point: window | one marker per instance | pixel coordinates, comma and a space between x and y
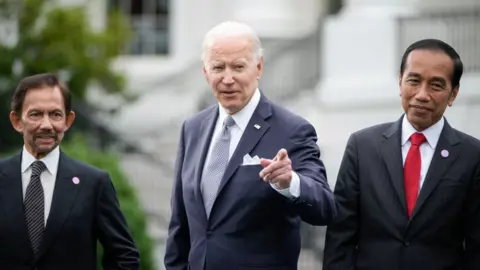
149, 20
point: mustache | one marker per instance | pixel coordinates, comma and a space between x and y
46, 136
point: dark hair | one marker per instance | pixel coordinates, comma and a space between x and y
437, 45
36, 82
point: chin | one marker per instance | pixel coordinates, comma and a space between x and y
231, 106
45, 149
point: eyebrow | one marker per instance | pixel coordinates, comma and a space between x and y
49, 111
439, 79
413, 74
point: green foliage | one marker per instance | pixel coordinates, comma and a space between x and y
53, 38
78, 148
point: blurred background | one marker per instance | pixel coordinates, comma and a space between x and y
134, 69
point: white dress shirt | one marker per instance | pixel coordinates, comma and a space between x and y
47, 178
432, 134
236, 131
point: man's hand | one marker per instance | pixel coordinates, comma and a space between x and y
278, 170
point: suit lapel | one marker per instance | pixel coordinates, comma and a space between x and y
11, 200
204, 138
439, 165
250, 138
64, 195
392, 155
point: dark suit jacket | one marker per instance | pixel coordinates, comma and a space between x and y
372, 230
79, 216
251, 225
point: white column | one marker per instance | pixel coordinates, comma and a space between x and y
378, 7
279, 18
360, 55
446, 5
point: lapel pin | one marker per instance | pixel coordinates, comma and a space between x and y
444, 153
257, 126
75, 180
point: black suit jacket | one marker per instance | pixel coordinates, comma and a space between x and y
373, 232
80, 215
251, 225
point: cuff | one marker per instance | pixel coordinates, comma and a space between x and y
293, 191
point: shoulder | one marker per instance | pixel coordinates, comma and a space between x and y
470, 141
372, 132
285, 121
287, 117
199, 116
8, 161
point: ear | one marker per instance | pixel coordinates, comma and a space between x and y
16, 121
260, 68
400, 75
453, 95
204, 70
69, 120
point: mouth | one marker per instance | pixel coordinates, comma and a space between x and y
228, 93
45, 138
420, 108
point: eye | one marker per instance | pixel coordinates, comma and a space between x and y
217, 68
239, 66
35, 114
413, 81
437, 86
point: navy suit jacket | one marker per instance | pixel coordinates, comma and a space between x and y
80, 215
373, 231
251, 225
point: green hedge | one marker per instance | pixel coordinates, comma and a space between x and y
78, 148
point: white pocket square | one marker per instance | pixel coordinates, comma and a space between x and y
248, 160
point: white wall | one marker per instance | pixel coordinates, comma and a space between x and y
360, 56
191, 19
360, 61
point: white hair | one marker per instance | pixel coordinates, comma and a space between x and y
232, 29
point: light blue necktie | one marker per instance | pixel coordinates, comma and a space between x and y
214, 170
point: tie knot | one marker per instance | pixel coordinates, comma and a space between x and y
229, 121
417, 138
38, 167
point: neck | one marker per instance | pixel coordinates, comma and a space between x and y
36, 155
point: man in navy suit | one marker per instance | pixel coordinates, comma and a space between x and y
247, 171
53, 208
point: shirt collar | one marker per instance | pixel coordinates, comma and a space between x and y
50, 160
432, 134
243, 116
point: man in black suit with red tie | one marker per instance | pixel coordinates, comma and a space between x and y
408, 192
54, 209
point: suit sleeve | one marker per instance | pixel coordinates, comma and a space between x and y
119, 250
315, 204
472, 230
178, 240
341, 237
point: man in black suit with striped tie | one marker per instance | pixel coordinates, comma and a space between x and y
54, 209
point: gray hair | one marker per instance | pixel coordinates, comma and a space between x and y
232, 29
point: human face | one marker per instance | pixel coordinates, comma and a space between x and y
426, 87
232, 71
43, 120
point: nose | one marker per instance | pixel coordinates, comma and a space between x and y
228, 77
46, 124
423, 94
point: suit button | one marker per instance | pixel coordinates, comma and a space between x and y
406, 243
209, 234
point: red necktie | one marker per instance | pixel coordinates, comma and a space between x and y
411, 171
